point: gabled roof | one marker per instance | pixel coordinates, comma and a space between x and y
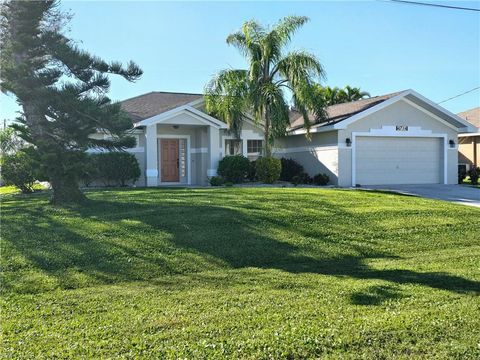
342, 115
156, 102
472, 116
340, 112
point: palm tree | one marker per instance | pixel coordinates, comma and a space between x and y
332, 96
261, 89
354, 93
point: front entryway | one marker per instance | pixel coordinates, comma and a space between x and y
169, 160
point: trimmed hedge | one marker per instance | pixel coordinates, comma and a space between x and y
268, 169
233, 168
111, 168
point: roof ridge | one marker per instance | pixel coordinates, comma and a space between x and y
176, 92
159, 92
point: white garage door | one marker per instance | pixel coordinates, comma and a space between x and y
392, 160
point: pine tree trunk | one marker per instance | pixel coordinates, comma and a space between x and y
66, 191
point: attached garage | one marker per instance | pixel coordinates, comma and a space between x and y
398, 138
398, 160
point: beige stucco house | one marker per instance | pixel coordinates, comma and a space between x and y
469, 143
399, 138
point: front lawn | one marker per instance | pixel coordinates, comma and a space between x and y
240, 273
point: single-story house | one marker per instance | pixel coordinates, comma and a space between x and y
469, 143
399, 138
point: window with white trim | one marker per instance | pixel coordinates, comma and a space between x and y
233, 147
254, 147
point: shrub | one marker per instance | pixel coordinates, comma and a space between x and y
290, 168
115, 168
305, 178
321, 179
252, 171
19, 169
474, 173
216, 181
233, 168
268, 169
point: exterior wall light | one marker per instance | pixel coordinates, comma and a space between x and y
175, 127
348, 141
452, 143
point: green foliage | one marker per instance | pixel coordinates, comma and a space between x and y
62, 91
233, 168
321, 179
252, 171
112, 168
268, 169
474, 174
290, 168
239, 273
216, 181
9, 141
335, 95
261, 90
19, 169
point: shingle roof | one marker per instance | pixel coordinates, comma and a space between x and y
472, 116
156, 102
339, 112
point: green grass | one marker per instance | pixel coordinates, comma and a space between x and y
240, 273
468, 182
10, 189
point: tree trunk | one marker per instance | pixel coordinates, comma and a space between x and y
66, 191
268, 149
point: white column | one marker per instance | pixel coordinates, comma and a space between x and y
152, 155
213, 150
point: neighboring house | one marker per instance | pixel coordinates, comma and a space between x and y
391, 139
469, 143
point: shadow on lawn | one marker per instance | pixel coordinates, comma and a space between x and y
142, 240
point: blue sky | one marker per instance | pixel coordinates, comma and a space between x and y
379, 46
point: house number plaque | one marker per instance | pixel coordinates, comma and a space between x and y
402, 127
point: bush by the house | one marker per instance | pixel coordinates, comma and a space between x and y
321, 179
474, 174
252, 171
19, 169
233, 168
114, 168
90, 170
268, 169
216, 181
290, 168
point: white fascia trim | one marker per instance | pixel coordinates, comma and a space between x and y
418, 107
205, 118
390, 131
344, 123
468, 126
469, 134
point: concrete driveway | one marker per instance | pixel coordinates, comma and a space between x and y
454, 193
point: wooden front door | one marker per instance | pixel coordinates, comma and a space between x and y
170, 160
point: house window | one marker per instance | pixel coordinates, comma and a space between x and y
233, 147
254, 147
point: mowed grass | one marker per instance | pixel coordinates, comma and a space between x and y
240, 273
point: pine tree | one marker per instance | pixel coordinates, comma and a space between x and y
62, 91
